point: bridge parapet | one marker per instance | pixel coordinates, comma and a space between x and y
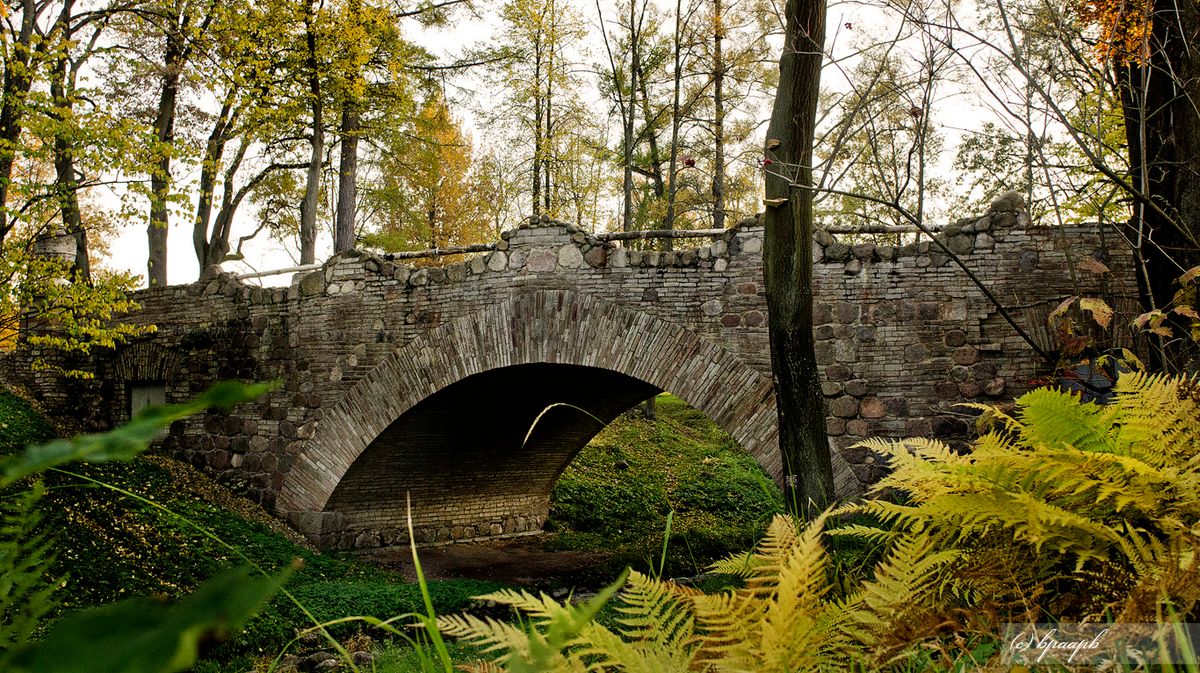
533, 249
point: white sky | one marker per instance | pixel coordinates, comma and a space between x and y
128, 250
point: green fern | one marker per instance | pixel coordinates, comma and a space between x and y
25, 558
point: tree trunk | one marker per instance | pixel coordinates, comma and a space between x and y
214, 149
548, 138
17, 80
803, 445
627, 174
1163, 132
537, 124
655, 168
160, 177
677, 75
66, 182
218, 241
718, 180
649, 411
347, 179
312, 186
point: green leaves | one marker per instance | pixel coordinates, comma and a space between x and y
142, 635
127, 441
25, 558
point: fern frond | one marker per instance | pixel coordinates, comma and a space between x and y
739, 565
606, 650
25, 558
1158, 417
490, 634
799, 632
650, 612
770, 555
1055, 419
904, 579
991, 418
727, 622
872, 534
541, 608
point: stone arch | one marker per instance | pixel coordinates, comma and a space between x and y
546, 326
146, 361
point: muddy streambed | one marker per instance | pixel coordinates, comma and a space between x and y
521, 561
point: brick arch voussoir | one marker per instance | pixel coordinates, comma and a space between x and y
548, 326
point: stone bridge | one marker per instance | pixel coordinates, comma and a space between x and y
426, 381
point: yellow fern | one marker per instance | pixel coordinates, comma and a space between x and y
1064, 509
1114, 486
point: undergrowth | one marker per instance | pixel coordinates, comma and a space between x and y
20, 424
113, 546
110, 546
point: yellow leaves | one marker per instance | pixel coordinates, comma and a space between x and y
1153, 322
433, 198
1123, 26
1101, 312
70, 316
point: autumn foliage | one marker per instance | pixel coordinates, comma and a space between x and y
1123, 25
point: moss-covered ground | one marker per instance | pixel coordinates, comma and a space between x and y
617, 493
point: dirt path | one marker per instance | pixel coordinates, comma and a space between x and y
522, 561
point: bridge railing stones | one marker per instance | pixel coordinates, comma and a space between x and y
535, 247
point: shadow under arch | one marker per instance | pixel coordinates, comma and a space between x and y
445, 416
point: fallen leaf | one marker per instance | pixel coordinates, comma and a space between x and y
1093, 265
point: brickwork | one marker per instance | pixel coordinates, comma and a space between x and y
424, 381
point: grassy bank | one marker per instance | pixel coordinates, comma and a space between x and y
158, 527
616, 495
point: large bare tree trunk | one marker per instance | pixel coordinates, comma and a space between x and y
312, 186
347, 179
718, 180
1162, 125
160, 177
803, 444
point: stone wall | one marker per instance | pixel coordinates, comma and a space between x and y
363, 347
904, 337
